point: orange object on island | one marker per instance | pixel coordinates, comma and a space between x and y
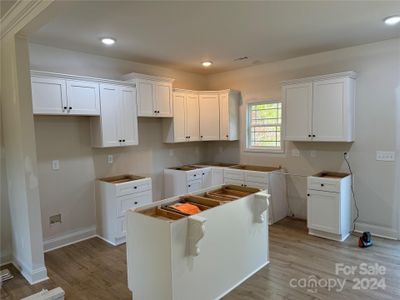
186, 208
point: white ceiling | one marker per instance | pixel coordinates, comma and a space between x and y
182, 34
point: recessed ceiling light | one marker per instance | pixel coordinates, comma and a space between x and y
392, 20
108, 41
206, 63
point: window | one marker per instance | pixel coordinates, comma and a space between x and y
264, 126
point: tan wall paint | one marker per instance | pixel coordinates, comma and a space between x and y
378, 67
5, 225
70, 191
19, 142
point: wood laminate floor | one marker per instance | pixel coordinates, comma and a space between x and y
92, 269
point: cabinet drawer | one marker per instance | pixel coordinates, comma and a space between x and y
120, 227
260, 177
132, 187
194, 185
132, 201
233, 174
325, 185
193, 175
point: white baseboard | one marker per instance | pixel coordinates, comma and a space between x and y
33, 276
380, 231
69, 238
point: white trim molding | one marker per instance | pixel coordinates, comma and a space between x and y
77, 77
379, 231
32, 275
69, 238
350, 74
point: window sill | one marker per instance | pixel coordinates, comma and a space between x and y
261, 150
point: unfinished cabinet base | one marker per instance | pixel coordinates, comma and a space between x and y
202, 256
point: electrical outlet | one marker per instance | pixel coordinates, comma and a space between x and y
55, 219
55, 165
313, 153
171, 152
347, 155
110, 159
385, 155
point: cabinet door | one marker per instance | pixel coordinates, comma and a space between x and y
179, 118
49, 96
109, 99
128, 116
224, 116
145, 98
192, 122
83, 98
323, 211
194, 185
329, 110
209, 117
163, 102
206, 177
298, 111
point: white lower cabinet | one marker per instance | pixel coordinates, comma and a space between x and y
114, 196
198, 257
274, 182
183, 180
117, 125
329, 205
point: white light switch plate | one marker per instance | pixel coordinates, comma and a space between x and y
385, 155
55, 165
110, 159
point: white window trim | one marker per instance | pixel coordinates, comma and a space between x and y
264, 149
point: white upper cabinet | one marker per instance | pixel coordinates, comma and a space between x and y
49, 95
184, 126
229, 115
209, 116
128, 115
203, 116
320, 108
83, 98
192, 119
58, 94
333, 109
163, 99
117, 124
145, 90
154, 95
298, 102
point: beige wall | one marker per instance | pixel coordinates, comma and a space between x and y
70, 190
5, 226
377, 110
